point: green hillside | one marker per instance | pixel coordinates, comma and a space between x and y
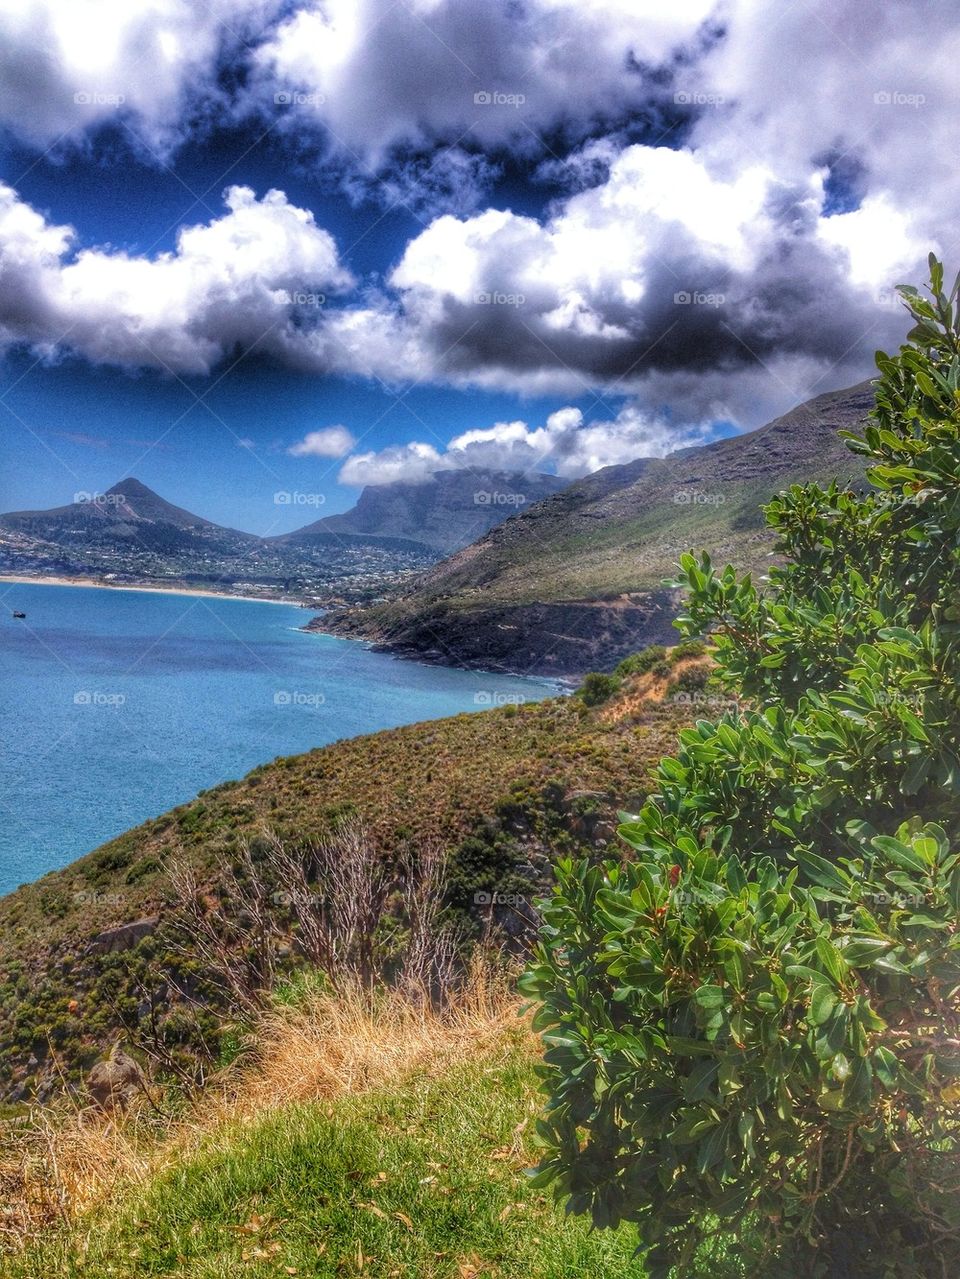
87, 951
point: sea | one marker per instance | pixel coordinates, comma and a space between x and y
116, 705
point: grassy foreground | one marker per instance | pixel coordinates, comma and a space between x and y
422, 1180
387, 1144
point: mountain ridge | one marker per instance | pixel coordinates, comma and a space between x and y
575, 582
131, 533
444, 513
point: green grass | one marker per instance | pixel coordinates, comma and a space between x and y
310, 1188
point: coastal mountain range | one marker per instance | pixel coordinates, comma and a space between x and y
575, 583
474, 567
128, 513
131, 534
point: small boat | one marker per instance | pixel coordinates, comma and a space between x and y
18, 614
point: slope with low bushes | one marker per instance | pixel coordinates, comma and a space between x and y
87, 952
575, 582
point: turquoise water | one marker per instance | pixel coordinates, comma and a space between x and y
116, 705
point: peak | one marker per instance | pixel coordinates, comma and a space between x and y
131, 485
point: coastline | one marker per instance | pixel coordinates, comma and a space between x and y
562, 685
91, 582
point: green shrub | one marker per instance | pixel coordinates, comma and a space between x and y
640, 663
688, 649
692, 680
753, 1028
598, 688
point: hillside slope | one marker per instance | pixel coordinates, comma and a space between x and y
573, 584
87, 950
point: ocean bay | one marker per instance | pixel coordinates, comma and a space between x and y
117, 705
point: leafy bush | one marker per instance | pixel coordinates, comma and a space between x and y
598, 688
687, 650
640, 663
754, 1027
694, 679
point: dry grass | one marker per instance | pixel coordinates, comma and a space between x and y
332, 1045
647, 690
59, 1162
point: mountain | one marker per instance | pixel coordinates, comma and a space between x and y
574, 583
131, 535
127, 514
445, 513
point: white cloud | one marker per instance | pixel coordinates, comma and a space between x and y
668, 272
379, 74
818, 169
67, 66
230, 286
414, 463
565, 445
330, 441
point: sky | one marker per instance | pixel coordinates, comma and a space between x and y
262, 247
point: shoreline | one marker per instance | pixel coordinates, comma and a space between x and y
21, 579
562, 685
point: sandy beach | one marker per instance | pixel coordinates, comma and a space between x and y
151, 590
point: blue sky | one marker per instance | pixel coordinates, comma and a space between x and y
271, 245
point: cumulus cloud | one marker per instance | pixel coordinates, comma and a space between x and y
377, 74
330, 441
565, 445
414, 463
734, 274
749, 268
230, 286
67, 66
666, 273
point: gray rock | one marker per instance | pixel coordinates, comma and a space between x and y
112, 1084
124, 936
